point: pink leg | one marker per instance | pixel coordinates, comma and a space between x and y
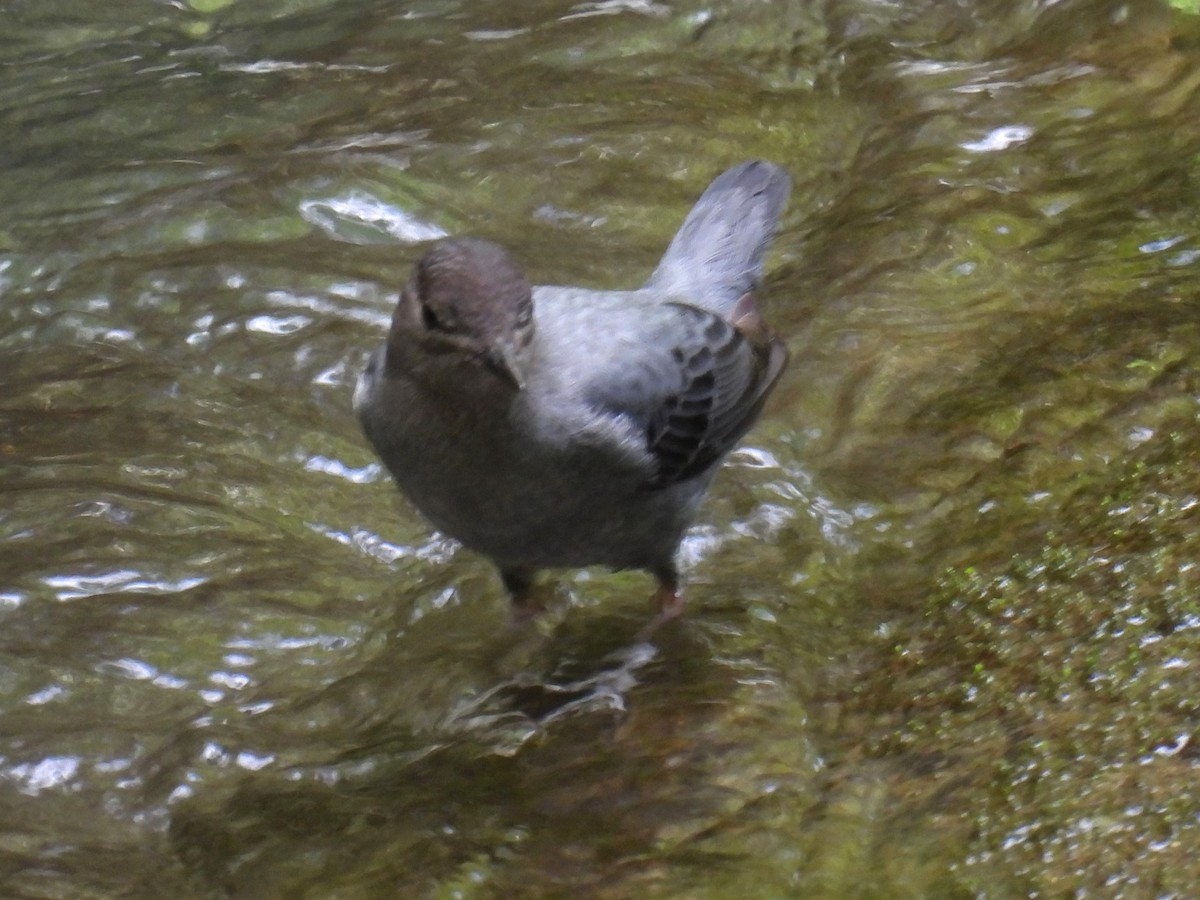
670, 600
671, 603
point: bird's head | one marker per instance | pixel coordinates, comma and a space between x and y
466, 301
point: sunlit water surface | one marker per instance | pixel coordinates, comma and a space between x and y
944, 635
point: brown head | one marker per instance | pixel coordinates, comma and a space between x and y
467, 298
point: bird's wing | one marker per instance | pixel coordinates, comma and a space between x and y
698, 390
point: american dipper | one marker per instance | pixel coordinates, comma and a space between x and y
568, 427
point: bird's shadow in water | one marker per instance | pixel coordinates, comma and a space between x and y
568, 661
561, 758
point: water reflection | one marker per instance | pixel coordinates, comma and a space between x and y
334, 214
943, 635
525, 780
52, 772
74, 587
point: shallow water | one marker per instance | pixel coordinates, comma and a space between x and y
943, 639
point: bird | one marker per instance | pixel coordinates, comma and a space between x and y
556, 427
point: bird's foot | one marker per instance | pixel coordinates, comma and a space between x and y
526, 607
670, 602
526, 603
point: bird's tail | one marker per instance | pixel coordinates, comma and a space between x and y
716, 257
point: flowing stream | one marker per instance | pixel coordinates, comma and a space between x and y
944, 633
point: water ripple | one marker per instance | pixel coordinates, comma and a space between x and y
73, 587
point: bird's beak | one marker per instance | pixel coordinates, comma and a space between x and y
501, 358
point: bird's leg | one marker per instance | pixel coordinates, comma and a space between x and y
669, 597
519, 584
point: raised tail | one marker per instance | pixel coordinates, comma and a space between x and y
716, 257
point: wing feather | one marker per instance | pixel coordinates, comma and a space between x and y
724, 378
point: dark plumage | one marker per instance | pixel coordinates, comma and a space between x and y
560, 426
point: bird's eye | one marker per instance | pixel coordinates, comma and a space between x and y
430, 320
